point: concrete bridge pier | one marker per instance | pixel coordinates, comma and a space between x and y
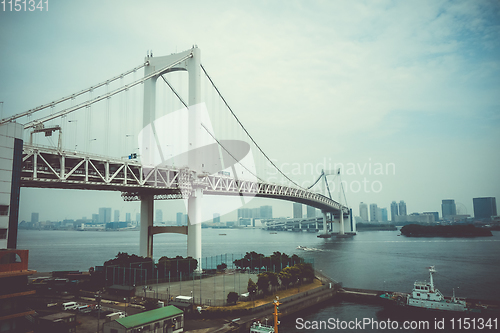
145, 234
325, 229
341, 222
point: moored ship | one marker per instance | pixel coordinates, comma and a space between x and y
426, 297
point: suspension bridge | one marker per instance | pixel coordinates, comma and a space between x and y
153, 138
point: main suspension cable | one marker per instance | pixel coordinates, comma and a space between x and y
72, 96
244, 129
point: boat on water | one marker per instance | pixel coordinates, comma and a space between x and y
257, 327
426, 296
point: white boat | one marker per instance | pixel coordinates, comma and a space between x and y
425, 295
257, 327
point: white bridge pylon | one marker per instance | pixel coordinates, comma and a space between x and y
191, 64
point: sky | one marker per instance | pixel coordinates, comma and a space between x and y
403, 95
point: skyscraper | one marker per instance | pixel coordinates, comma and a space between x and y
34, 217
394, 211
363, 211
104, 215
402, 208
383, 214
159, 216
311, 212
128, 218
484, 208
448, 208
117, 216
179, 218
266, 212
297, 210
373, 212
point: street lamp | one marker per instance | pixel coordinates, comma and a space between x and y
98, 299
125, 300
76, 130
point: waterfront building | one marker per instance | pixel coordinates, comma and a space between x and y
244, 213
484, 208
95, 218
363, 212
311, 212
383, 213
216, 218
373, 213
297, 210
266, 212
34, 218
165, 319
394, 211
159, 216
104, 215
128, 218
256, 213
14, 290
435, 214
117, 216
178, 218
402, 208
448, 208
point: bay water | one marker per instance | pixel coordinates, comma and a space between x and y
379, 260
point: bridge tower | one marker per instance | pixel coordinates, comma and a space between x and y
190, 63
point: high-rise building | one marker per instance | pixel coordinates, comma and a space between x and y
95, 218
137, 218
484, 208
448, 208
311, 211
179, 218
34, 217
216, 218
402, 208
11, 146
363, 212
383, 213
256, 213
128, 217
266, 212
117, 216
104, 215
297, 210
434, 214
244, 213
159, 216
373, 213
394, 211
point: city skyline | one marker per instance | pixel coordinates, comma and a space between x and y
412, 85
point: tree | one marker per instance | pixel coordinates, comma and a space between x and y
285, 276
263, 283
232, 297
306, 272
251, 288
221, 267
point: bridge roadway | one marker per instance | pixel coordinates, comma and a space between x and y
47, 167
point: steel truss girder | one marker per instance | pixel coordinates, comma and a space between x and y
52, 168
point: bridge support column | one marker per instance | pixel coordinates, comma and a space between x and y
341, 220
146, 233
325, 229
353, 221
194, 226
